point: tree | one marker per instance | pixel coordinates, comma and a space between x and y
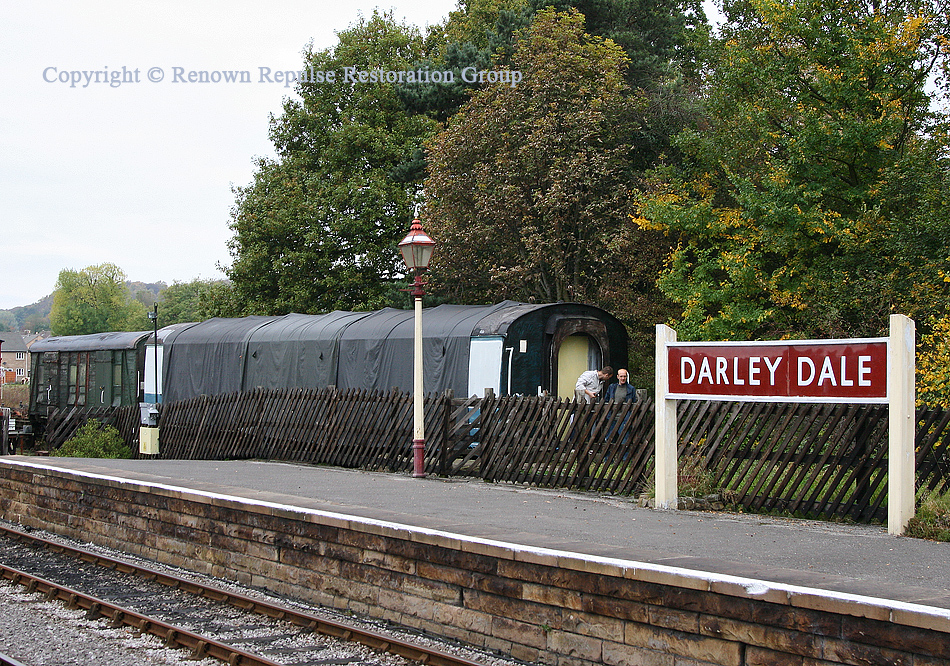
192, 301
94, 300
659, 38
317, 229
531, 185
216, 298
527, 182
933, 365
805, 201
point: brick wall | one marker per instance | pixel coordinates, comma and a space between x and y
533, 604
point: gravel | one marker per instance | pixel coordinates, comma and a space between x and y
47, 633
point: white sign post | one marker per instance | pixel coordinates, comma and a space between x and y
666, 435
863, 371
902, 424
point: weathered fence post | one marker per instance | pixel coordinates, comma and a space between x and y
446, 430
485, 407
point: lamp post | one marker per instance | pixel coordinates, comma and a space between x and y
148, 432
153, 315
416, 251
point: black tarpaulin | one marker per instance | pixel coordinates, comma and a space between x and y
207, 358
296, 351
376, 352
362, 350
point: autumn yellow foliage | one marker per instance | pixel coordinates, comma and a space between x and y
933, 366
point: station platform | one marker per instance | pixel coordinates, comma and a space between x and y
851, 559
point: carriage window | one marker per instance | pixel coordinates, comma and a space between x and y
117, 379
72, 377
81, 382
39, 383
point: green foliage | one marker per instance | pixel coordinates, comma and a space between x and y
932, 520
482, 23
479, 34
694, 478
534, 172
95, 440
807, 205
195, 301
659, 38
146, 293
178, 303
95, 300
317, 229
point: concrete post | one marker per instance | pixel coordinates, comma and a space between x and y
666, 436
901, 458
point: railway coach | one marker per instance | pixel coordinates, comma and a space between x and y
509, 347
92, 371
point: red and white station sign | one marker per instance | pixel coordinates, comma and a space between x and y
852, 371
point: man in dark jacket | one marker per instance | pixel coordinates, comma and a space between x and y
622, 391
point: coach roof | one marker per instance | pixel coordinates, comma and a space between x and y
91, 342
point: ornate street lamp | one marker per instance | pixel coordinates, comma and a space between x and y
416, 251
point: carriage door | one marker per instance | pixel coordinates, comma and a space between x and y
484, 365
577, 353
100, 391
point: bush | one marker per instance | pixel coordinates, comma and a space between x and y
95, 440
933, 518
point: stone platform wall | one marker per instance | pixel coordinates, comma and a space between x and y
533, 604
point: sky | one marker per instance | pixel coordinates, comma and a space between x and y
140, 174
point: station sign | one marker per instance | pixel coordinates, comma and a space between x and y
849, 371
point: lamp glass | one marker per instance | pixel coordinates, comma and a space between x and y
416, 248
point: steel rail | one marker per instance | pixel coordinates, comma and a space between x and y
9, 661
173, 636
308, 621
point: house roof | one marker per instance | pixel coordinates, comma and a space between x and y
12, 342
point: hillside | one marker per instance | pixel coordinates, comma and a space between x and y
35, 317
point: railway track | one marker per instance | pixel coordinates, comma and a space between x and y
206, 620
9, 661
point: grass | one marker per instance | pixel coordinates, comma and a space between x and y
932, 520
694, 478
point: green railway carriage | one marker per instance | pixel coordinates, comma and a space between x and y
92, 371
87, 371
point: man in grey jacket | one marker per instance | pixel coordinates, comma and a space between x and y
589, 383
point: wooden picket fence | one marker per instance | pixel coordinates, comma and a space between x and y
63, 424
821, 461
